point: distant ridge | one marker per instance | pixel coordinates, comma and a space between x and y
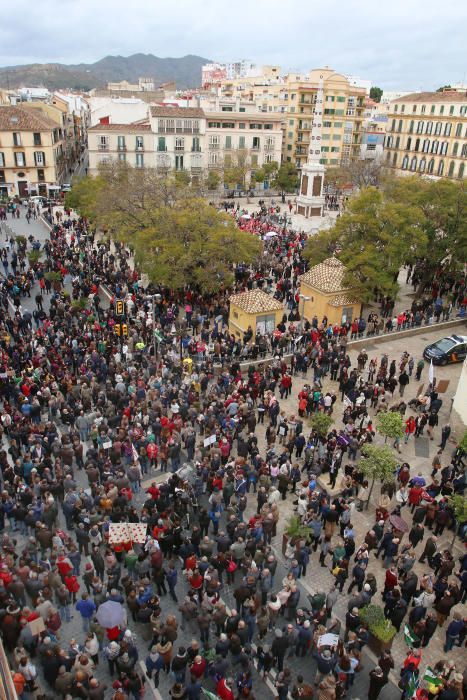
185, 71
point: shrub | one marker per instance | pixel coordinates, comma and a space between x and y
373, 617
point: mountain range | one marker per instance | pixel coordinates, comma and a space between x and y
185, 71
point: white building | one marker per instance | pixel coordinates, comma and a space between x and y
117, 110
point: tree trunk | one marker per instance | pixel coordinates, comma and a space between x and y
426, 277
369, 495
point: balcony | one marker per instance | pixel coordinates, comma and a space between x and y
162, 149
196, 168
121, 148
214, 146
269, 147
103, 147
196, 149
139, 148
179, 149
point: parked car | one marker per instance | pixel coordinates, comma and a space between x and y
66, 187
446, 350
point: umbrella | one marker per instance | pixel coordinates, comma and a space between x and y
398, 523
270, 234
245, 216
110, 614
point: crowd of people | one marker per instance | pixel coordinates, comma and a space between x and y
87, 416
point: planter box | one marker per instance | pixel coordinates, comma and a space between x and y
377, 646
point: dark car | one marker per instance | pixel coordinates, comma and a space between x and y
451, 349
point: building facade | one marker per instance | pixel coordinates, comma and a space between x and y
427, 134
32, 154
191, 139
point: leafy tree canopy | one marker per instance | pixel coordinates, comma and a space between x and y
376, 94
286, 178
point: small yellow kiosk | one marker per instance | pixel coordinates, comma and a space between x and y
323, 293
254, 309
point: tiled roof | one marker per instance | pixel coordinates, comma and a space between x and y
128, 128
20, 119
343, 300
449, 96
327, 277
256, 302
178, 112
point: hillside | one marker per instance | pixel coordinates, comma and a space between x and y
186, 71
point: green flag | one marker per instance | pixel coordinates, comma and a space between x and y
431, 677
409, 636
209, 695
412, 686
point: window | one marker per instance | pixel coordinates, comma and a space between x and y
16, 139
459, 130
395, 108
422, 165
122, 157
329, 111
444, 148
37, 140
256, 142
139, 160
2, 160
393, 124
329, 98
455, 148
434, 147
20, 160
227, 160
336, 149
339, 112
241, 142
432, 110
121, 143
447, 129
213, 158
441, 109
394, 160
2, 177
39, 158
402, 109
214, 125
423, 109
178, 162
405, 163
228, 125
336, 137
420, 126
417, 145
429, 127
291, 122
256, 126
441, 167
254, 160
289, 148
195, 147
461, 170
341, 98
409, 143
431, 166
413, 164
426, 146
179, 144
161, 144
414, 109
452, 165
228, 142
227, 109
139, 143
438, 128
464, 151
214, 141
338, 125
411, 127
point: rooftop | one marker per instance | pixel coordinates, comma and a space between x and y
127, 128
175, 111
21, 119
326, 277
256, 302
447, 96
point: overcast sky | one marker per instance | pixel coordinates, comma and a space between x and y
406, 44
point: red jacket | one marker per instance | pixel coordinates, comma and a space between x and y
223, 690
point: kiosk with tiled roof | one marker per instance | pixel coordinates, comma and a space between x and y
325, 293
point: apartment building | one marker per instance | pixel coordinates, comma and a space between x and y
293, 96
191, 139
427, 134
31, 152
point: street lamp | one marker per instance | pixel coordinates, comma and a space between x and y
304, 298
155, 298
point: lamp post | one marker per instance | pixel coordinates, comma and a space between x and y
154, 298
304, 298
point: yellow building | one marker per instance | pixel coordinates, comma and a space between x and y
427, 134
31, 152
256, 310
293, 96
324, 293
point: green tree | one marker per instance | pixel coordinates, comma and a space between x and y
390, 424
286, 179
191, 243
377, 463
321, 423
84, 195
376, 94
463, 442
442, 207
458, 503
267, 173
373, 238
237, 169
182, 177
443, 88
213, 180
358, 174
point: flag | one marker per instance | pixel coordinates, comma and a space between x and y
412, 686
134, 453
431, 677
209, 695
431, 373
409, 636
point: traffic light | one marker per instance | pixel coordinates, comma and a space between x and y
124, 329
119, 307
117, 329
